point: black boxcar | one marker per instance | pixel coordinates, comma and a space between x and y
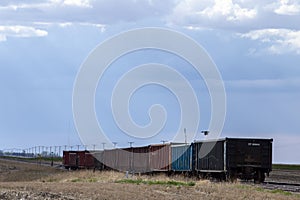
232, 158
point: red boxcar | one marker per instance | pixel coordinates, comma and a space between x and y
89, 160
70, 159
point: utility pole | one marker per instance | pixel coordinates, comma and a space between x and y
131, 157
185, 140
103, 143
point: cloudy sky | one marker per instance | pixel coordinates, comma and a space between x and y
255, 45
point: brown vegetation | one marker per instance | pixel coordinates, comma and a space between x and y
31, 181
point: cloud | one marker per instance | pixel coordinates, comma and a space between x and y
17, 5
232, 15
79, 3
88, 11
291, 84
229, 10
216, 14
20, 31
279, 41
288, 7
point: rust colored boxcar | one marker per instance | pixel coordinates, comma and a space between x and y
85, 160
70, 159
89, 160
81, 159
160, 157
66, 161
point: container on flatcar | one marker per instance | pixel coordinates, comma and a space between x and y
181, 157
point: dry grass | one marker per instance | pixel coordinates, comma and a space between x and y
38, 181
12, 171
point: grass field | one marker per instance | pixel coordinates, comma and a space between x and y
286, 167
48, 159
38, 181
19, 180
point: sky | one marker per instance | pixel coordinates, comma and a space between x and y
254, 44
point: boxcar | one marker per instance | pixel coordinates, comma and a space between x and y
160, 157
135, 159
98, 160
66, 159
181, 158
232, 158
80, 159
70, 160
139, 159
110, 159
85, 160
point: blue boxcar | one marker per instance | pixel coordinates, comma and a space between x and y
181, 157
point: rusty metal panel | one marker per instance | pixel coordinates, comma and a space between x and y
89, 160
73, 159
66, 159
81, 159
160, 157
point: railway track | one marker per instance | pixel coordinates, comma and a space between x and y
290, 187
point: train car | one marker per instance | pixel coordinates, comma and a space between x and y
160, 157
233, 158
85, 160
181, 158
134, 159
78, 160
139, 161
98, 160
111, 159
70, 159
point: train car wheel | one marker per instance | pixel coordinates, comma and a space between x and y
259, 177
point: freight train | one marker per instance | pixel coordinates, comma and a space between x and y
228, 159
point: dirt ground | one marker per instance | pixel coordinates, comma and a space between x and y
32, 181
286, 176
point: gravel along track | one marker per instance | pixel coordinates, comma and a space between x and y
290, 187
